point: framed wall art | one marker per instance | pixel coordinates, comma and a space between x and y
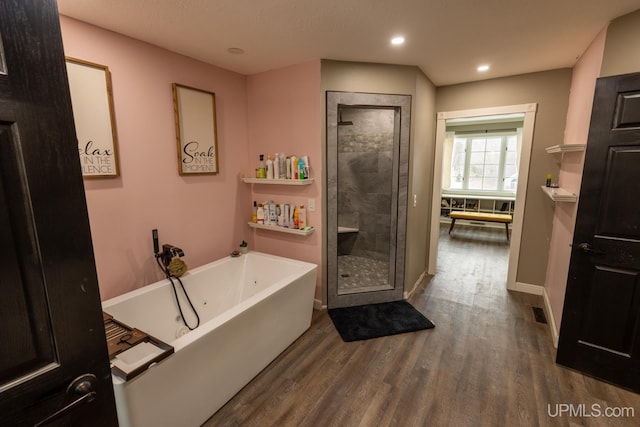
93, 112
195, 119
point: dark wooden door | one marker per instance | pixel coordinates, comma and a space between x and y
600, 330
51, 325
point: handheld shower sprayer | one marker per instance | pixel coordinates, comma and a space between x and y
156, 242
172, 272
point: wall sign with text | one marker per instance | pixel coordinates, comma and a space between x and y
195, 117
92, 101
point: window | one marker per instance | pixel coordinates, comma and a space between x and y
484, 163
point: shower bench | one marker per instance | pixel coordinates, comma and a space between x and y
481, 216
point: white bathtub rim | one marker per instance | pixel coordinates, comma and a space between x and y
162, 282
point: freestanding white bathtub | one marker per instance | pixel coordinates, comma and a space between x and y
251, 309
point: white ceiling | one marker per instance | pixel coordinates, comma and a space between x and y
447, 39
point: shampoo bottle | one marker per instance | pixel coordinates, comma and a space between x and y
286, 214
261, 171
294, 167
254, 215
273, 214
301, 174
276, 167
283, 171
296, 218
269, 167
288, 168
260, 214
302, 217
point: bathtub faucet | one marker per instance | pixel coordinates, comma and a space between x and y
168, 253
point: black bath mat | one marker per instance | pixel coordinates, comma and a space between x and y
377, 320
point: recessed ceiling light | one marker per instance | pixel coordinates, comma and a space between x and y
483, 68
235, 51
397, 40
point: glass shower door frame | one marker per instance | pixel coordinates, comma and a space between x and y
401, 104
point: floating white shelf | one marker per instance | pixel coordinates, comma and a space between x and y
307, 181
559, 194
342, 230
282, 229
565, 148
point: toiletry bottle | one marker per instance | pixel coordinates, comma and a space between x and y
260, 214
267, 217
283, 171
548, 180
296, 217
294, 167
302, 217
286, 213
291, 212
273, 214
288, 167
276, 167
301, 174
269, 167
254, 215
305, 159
261, 171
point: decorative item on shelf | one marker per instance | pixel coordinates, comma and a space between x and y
244, 247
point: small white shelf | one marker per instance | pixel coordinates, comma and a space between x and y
343, 230
565, 148
559, 194
282, 229
307, 181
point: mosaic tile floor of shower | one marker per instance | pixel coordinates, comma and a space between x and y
356, 272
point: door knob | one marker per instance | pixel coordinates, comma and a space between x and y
83, 387
588, 249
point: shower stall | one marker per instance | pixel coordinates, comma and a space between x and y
367, 171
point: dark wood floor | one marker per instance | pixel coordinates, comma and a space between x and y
487, 362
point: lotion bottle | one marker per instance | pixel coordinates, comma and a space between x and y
288, 167
283, 171
269, 167
296, 217
276, 167
302, 217
260, 214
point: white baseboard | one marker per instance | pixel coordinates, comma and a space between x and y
317, 305
550, 319
527, 288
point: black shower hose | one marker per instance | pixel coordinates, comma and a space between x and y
175, 292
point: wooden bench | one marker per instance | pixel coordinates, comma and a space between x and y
481, 216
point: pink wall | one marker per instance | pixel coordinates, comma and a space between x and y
583, 82
284, 116
204, 215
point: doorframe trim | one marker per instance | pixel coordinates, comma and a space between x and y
529, 111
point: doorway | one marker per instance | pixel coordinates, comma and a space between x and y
367, 176
528, 112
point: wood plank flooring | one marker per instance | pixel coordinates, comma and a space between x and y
487, 362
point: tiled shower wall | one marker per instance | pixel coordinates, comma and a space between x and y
365, 168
